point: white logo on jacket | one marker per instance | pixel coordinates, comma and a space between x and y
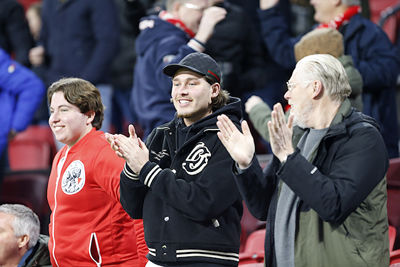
73, 179
197, 159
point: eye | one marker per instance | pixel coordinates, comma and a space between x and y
64, 109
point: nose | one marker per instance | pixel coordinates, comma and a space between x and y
287, 95
53, 117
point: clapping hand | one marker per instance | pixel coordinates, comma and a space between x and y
239, 145
131, 148
280, 133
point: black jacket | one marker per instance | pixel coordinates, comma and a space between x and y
342, 194
14, 31
186, 195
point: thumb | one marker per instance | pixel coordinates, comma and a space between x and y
131, 130
290, 121
245, 128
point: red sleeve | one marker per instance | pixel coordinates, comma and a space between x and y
108, 169
141, 246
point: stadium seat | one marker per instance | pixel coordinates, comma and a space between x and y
32, 149
29, 189
253, 249
395, 258
392, 237
249, 224
378, 9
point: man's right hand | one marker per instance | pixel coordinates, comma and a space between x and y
266, 4
36, 55
211, 16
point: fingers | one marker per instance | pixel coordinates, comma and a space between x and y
290, 121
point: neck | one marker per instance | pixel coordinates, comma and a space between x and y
337, 12
324, 113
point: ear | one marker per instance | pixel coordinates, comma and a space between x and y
90, 116
317, 89
215, 88
23, 241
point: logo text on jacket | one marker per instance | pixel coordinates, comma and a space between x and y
197, 160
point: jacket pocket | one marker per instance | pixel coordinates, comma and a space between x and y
94, 250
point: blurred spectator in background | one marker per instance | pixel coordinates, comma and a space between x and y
236, 46
88, 224
184, 27
79, 39
129, 13
21, 245
15, 38
34, 17
373, 55
20, 95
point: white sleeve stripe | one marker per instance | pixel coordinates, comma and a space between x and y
149, 175
153, 176
129, 174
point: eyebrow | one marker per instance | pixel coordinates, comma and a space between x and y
61, 106
187, 79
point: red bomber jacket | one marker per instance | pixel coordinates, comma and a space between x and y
88, 226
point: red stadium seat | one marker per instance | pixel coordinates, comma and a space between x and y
32, 149
249, 224
254, 249
377, 7
392, 237
395, 258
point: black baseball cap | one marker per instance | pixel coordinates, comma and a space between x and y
197, 62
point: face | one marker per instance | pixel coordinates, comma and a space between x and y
67, 122
191, 95
324, 10
299, 97
191, 12
9, 251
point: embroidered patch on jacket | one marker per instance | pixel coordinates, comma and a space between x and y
73, 179
159, 155
197, 159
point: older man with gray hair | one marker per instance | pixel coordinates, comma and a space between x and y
373, 55
324, 193
20, 241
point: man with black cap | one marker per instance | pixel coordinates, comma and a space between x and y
177, 182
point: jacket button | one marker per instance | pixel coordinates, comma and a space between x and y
164, 247
166, 218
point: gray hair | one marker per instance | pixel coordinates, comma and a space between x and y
330, 72
25, 222
351, 2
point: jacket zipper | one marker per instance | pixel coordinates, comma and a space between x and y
59, 168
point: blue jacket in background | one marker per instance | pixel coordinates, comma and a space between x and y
80, 37
21, 93
373, 55
160, 43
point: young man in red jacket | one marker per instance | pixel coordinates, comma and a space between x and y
88, 224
